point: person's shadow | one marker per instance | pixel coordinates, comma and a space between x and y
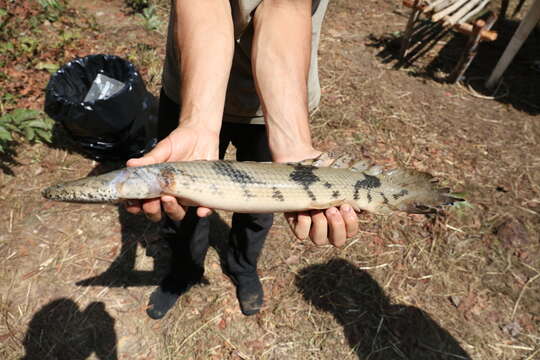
122, 273
60, 330
135, 228
373, 327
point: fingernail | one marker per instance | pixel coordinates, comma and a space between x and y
347, 208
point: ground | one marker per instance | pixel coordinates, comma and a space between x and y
75, 279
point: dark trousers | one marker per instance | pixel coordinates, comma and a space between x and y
189, 238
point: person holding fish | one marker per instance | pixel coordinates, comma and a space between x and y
241, 72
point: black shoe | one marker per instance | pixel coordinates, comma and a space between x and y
250, 294
167, 294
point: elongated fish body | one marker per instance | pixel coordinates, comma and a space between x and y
249, 187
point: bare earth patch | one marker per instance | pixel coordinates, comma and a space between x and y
75, 279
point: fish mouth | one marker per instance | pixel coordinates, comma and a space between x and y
52, 192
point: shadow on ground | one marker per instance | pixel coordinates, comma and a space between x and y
519, 84
60, 330
373, 327
135, 228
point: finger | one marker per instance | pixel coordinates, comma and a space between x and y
319, 228
133, 206
300, 223
203, 211
350, 218
173, 209
160, 153
152, 209
336, 227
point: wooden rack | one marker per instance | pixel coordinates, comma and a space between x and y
452, 14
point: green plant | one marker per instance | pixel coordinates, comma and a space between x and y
32, 124
53, 9
66, 37
3, 17
150, 18
28, 44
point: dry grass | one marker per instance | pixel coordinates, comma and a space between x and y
461, 285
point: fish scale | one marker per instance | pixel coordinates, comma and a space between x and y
250, 187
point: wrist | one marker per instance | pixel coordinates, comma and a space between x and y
200, 127
295, 154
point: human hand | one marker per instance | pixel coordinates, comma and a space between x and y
183, 144
333, 225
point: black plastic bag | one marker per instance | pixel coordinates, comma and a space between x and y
117, 127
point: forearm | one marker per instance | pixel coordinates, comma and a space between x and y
280, 60
205, 39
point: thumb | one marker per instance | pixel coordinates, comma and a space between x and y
160, 153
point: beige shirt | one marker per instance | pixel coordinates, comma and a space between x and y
242, 104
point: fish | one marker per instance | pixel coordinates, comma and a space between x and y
253, 187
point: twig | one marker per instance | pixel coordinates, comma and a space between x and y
496, 94
10, 221
531, 357
199, 329
521, 294
373, 267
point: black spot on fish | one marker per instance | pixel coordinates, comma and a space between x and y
369, 182
335, 194
385, 199
327, 185
173, 170
369, 198
276, 194
238, 176
400, 194
167, 176
304, 176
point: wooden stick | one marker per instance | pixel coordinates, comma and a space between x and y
405, 41
465, 10
525, 27
472, 47
467, 29
473, 12
436, 3
439, 15
463, 28
443, 6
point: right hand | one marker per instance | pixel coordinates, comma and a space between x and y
185, 143
333, 225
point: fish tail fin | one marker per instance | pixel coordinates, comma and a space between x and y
415, 192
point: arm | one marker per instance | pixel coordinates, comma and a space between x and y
204, 34
280, 60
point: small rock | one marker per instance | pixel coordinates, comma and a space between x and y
455, 300
512, 233
513, 329
293, 259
